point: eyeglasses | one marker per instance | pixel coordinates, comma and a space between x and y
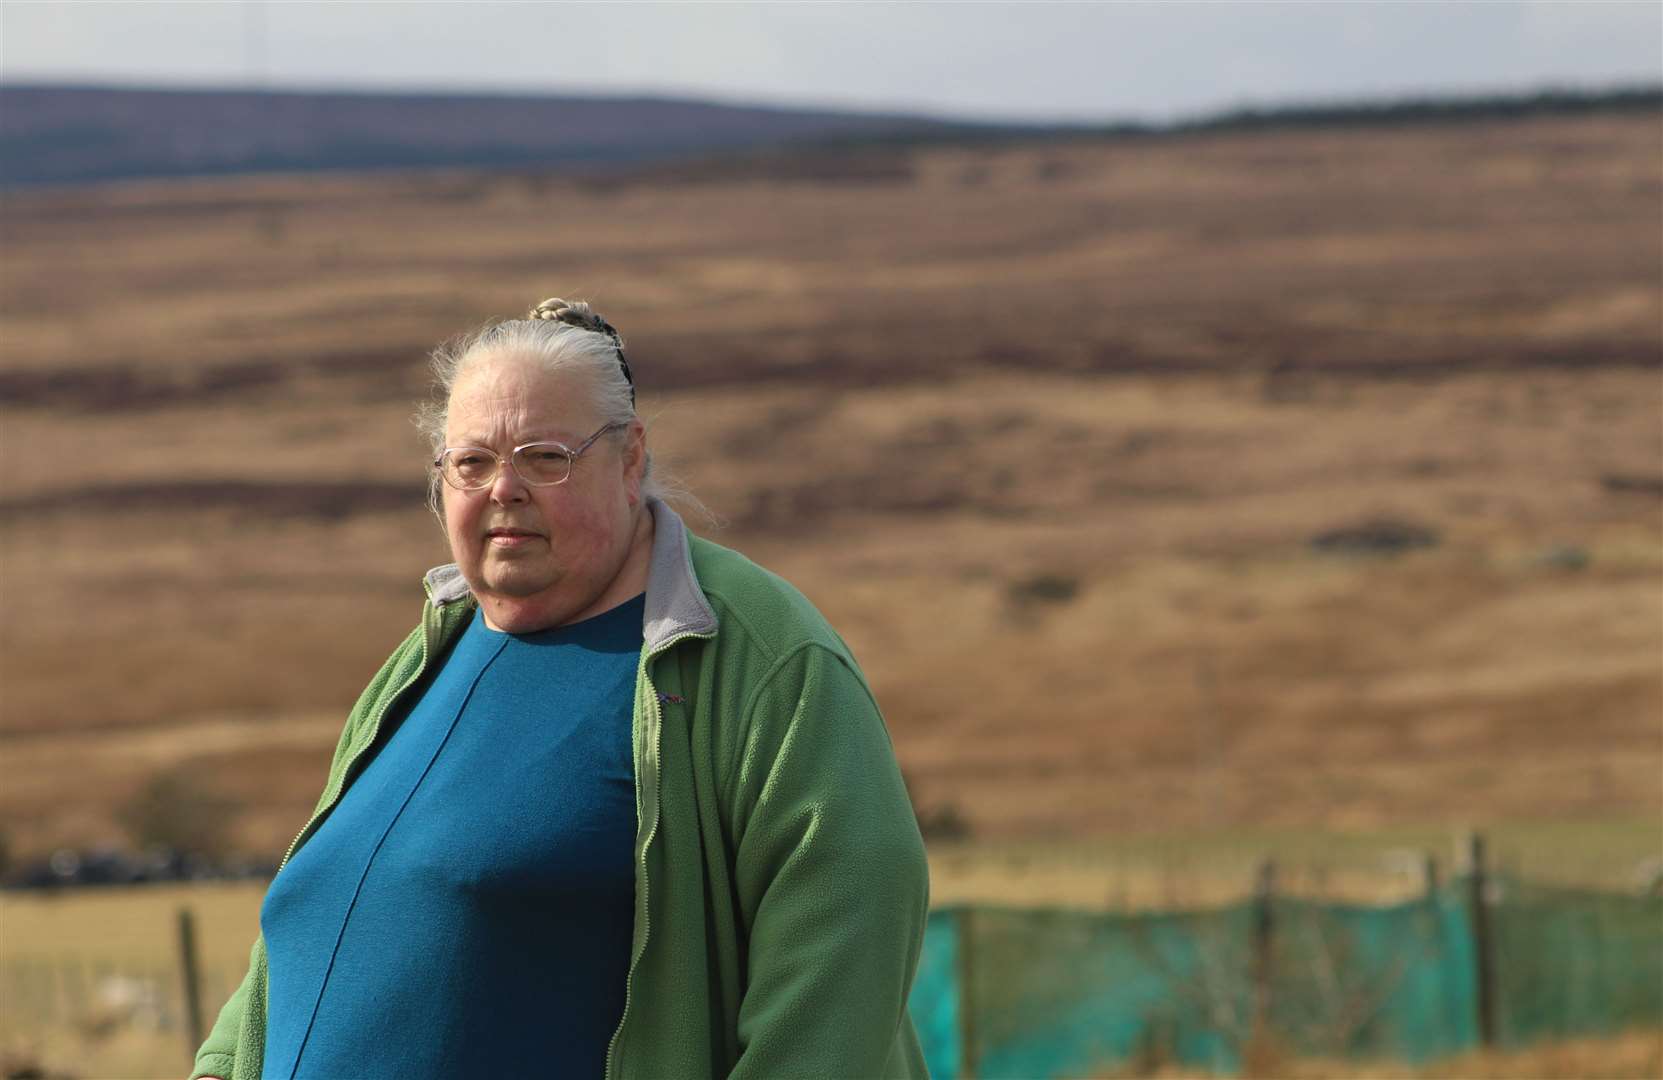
539, 464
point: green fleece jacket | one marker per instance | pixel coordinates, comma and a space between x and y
780, 881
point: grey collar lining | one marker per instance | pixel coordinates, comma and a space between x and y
676, 605
444, 584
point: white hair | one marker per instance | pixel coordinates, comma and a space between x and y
593, 353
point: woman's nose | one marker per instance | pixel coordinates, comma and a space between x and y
508, 488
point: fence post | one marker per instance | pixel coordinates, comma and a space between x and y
191, 977
1264, 927
964, 957
1478, 884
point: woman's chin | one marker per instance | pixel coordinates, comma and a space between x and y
515, 579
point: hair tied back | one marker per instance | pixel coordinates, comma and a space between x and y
581, 315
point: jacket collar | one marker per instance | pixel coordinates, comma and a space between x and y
676, 605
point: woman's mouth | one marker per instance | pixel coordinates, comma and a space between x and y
510, 537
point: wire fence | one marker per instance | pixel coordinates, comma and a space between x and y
70, 992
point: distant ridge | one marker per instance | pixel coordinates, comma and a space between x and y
1414, 110
55, 134
69, 134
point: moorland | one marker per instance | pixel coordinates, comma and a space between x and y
1277, 479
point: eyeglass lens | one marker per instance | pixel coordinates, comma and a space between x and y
538, 463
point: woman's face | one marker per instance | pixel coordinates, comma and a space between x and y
539, 556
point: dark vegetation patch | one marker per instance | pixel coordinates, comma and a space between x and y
862, 166
128, 388
1564, 557
327, 501
175, 810
1632, 484
773, 429
812, 505
118, 388
665, 365
942, 820
1047, 588
398, 373
1375, 536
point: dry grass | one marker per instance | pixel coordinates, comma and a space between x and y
62, 956
1632, 1055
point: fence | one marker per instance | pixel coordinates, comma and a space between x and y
1479, 961
1003, 992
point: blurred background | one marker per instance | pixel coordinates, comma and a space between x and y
1230, 436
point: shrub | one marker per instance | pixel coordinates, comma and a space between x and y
174, 810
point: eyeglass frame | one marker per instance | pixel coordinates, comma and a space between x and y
571, 459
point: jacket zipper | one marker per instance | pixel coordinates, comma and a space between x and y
652, 833
375, 730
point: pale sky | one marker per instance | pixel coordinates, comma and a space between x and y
1030, 61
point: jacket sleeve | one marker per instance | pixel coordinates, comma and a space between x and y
831, 875
218, 1054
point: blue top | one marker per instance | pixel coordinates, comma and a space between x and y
412, 935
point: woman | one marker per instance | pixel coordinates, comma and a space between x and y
622, 804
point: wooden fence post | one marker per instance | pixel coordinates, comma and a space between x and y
191, 978
1264, 929
1478, 884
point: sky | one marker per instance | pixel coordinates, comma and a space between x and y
1028, 61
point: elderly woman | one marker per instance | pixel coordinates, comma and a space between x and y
622, 804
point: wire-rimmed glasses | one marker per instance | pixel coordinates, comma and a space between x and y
539, 464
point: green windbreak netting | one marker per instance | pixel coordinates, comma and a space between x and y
1569, 962
1372, 982
1054, 994
1032, 994
935, 995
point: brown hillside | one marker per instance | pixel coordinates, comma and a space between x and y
1083, 446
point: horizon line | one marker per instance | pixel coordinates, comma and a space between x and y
898, 111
